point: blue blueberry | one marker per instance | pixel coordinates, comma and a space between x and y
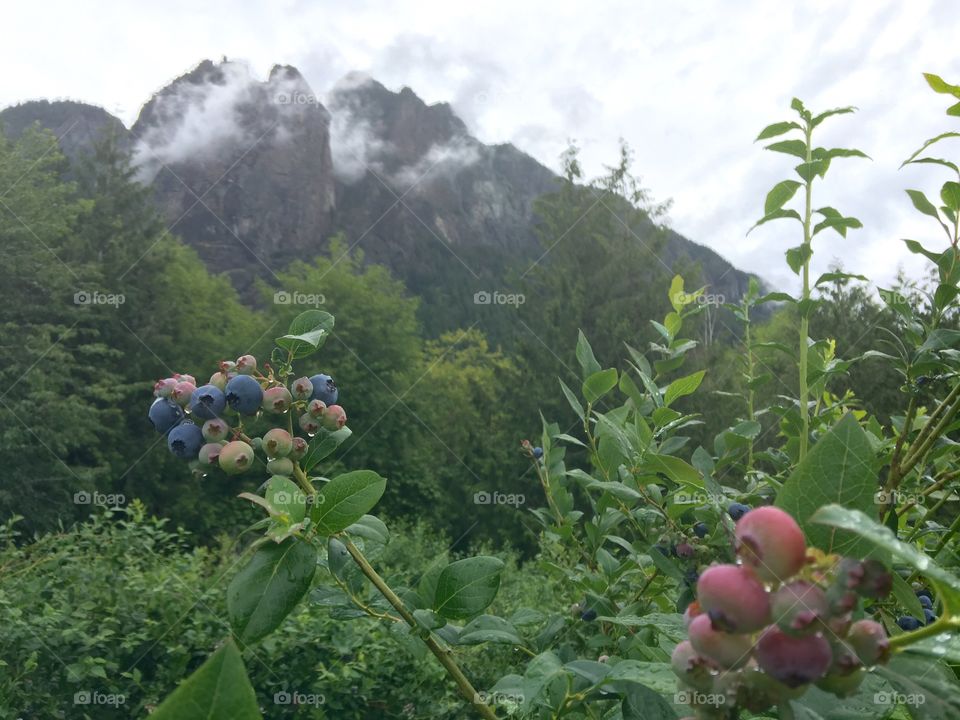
538, 452
929, 616
925, 593
737, 510
324, 389
207, 402
663, 550
588, 615
701, 530
908, 623
244, 395
925, 602
691, 576
164, 414
185, 441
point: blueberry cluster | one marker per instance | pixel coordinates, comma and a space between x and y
197, 420
762, 631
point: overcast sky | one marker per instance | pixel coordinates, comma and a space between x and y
687, 84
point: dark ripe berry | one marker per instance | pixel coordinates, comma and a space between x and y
324, 389
908, 623
869, 641
215, 430
244, 395
793, 660
164, 414
236, 457
877, 582
770, 541
334, 417
588, 615
210, 453
301, 388
185, 441
207, 402
734, 598
299, 448
277, 443
798, 607
925, 602
691, 576
725, 649
182, 392
277, 400
662, 549
691, 667
538, 452
924, 592
701, 530
929, 616
842, 685
246, 365
684, 550
737, 510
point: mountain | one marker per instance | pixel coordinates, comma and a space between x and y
256, 173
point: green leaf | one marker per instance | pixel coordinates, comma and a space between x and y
876, 535
828, 113
599, 384
572, 399
838, 469
932, 686
676, 294
680, 471
928, 143
588, 363
642, 703
346, 499
489, 628
683, 386
307, 333
809, 170
264, 592
840, 224
285, 496
467, 587
798, 256
824, 154
935, 161
941, 86
921, 203
950, 194
834, 276
777, 129
217, 690
779, 195
776, 215
790, 147
322, 445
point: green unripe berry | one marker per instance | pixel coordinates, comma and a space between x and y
280, 466
236, 457
277, 443
276, 400
215, 430
246, 365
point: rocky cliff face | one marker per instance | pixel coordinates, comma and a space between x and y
255, 173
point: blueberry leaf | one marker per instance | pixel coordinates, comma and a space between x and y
346, 499
467, 587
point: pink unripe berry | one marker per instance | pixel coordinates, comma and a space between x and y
277, 443
164, 388
246, 365
725, 649
301, 388
334, 417
309, 424
182, 392
691, 667
227, 366
299, 448
770, 541
276, 400
185, 378
793, 660
685, 550
210, 453
316, 408
236, 457
799, 607
219, 380
733, 598
869, 641
845, 660
215, 430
